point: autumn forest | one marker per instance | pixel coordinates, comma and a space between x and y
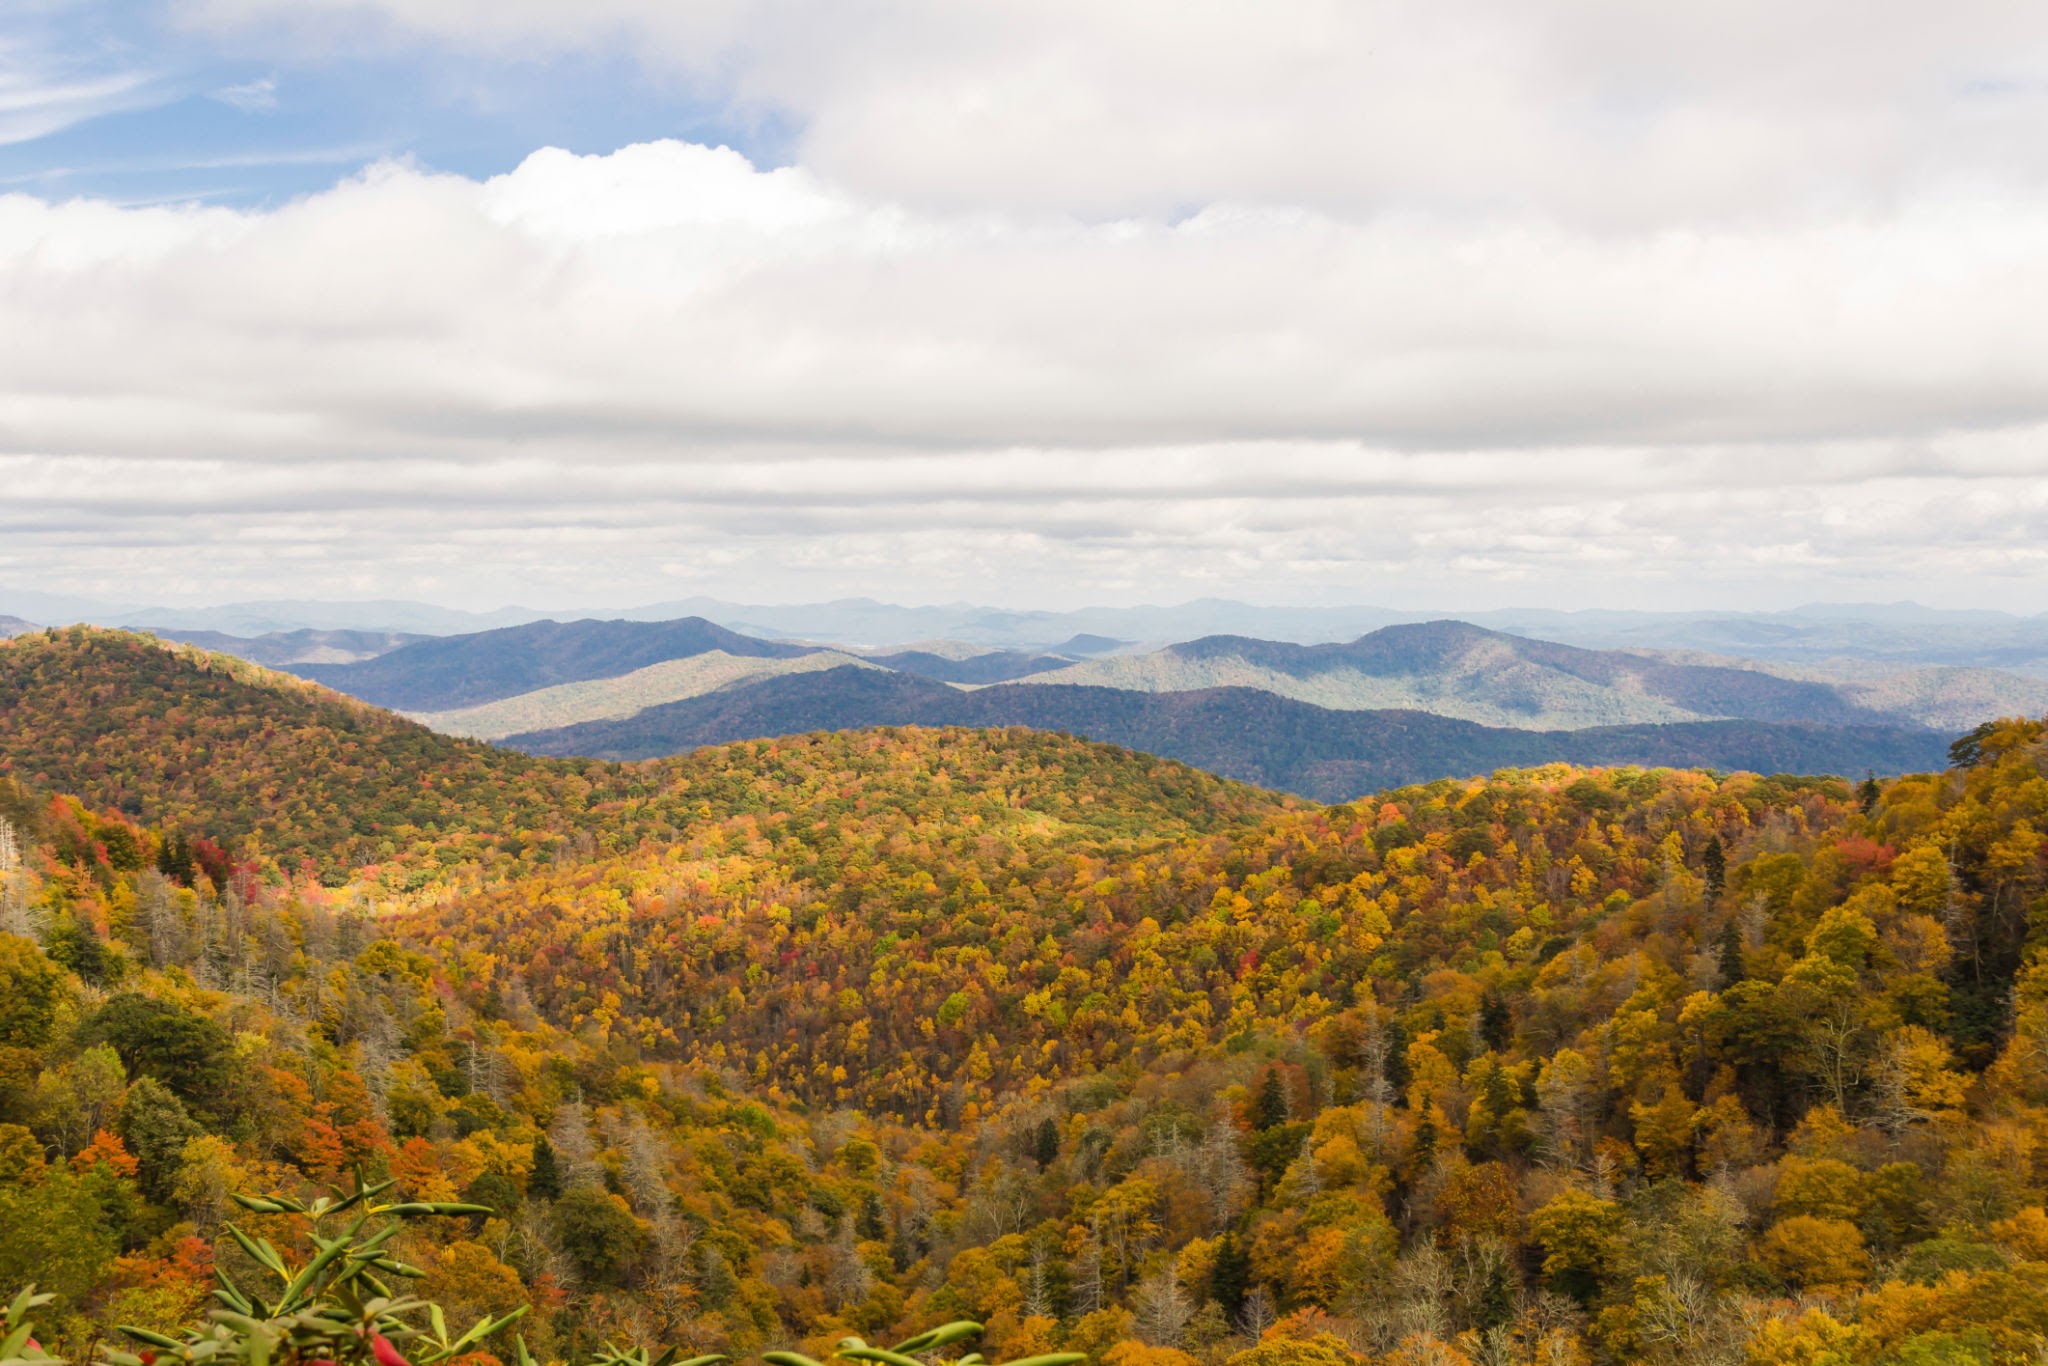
852, 1034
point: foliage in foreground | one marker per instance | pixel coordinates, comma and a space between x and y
336, 1306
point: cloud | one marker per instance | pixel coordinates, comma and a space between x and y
251, 97
671, 294
1595, 112
665, 370
1446, 301
41, 93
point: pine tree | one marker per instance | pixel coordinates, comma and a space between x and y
1732, 970
1230, 1276
873, 1224
1868, 793
1496, 1298
1271, 1111
1496, 1021
1424, 1146
1045, 1143
545, 1180
1715, 861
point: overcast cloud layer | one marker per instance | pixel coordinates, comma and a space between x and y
1412, 303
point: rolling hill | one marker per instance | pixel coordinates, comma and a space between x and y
1447, 668
284, 769
858, 1033
450, 672
615, 699
277, 649
1452, 668
278, 766
1241, 733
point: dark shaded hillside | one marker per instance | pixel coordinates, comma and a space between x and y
1238, 732
463, 671
1510, 665
998, 666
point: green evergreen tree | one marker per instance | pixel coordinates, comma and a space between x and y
1732, 970
1045, 1143
873, 1224
1496, 1298
1271, 1110
544, 1182
1230, 1276
1424, 1146
1496, 1021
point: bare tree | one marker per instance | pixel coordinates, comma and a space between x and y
1162, 1309
17, 916
1258, 1313
1037, 1295
1424, 1283
574, 1147
1086, 1282
1219, 1171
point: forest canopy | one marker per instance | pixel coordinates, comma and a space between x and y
855, 1034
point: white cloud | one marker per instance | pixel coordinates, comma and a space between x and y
1400, 300
41, 93
251, 97
1597, 111
553, 383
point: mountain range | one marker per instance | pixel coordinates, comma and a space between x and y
1899, 635
1243, 733
1401, 704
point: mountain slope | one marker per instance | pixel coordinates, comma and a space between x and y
1238, 732
1452, 668
532, 676
285, 769
866, 1031
463, 671
279, 766
993, 666
614, 699
277, 649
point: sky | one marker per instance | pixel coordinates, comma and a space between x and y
1424, 303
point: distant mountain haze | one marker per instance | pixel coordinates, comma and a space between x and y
1899, 634
463, 671
278, 649
1241, 733
996, 666
1447, 668
1453, 668
614, 699
1404, 703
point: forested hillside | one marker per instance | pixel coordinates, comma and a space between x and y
830, 1035
1243, 733
462, 671
284, 771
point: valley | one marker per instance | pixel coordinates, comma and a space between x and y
786, 1038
